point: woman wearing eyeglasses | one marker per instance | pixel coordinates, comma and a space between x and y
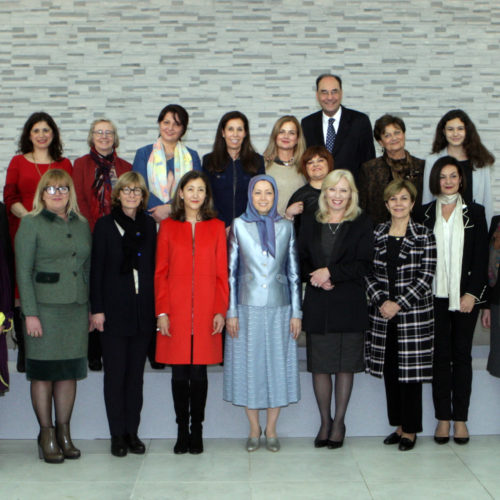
94, 176
53, 261
122, 303
40, 149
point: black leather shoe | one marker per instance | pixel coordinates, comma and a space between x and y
393, 438
320, 443
135, 445
332, 445
118, 446
407, 444
460, 440
441, 439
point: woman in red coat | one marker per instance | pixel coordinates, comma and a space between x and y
191, 291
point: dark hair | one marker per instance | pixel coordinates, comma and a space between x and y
434, 178
207, 210
181, 116
218, 159
310, 153
397, 185
325, 75
476, 152
383, 122
26, 146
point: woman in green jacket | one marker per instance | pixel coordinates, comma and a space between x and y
52, 260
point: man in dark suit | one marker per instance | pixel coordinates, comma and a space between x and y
346, 133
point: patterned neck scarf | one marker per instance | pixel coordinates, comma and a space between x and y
101, 187
161, 182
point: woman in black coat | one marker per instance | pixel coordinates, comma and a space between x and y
336, 252
459, 286
122, 303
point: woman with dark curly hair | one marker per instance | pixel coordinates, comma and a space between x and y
456, 136
40, 149
231, 164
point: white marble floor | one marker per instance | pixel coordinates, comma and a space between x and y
363, 469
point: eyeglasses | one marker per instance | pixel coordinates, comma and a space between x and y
107, 133
57, 189
126, 190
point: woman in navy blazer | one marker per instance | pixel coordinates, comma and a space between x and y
459, 286
122, 304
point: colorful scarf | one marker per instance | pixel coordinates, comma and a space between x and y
102, 187
265, 223
161, 182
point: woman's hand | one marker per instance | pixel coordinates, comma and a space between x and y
33, 326
295, 327
294, 209
327, 285
163, 325
18, 209
389, 309
232, 327
467, 303
486, 318
97, 322
160, 212
218, 323
319, 276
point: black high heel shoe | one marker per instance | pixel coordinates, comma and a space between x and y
322, 443
332, 445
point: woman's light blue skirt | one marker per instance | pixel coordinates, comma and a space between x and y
260, 365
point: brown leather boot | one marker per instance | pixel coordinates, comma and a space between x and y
64, 441
48, 449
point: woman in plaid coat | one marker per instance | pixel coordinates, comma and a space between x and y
399, 344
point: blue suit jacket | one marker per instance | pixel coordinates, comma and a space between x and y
258, 279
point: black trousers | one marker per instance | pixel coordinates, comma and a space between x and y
452, 375
404, 400
123, 360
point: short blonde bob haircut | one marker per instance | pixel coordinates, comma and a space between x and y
90, 137
396, 186
332, 179
132, 180
271, 150
55, 177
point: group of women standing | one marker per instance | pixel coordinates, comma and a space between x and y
238, 233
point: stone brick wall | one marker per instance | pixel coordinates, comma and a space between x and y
82, 59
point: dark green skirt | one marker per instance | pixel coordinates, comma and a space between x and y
60, 369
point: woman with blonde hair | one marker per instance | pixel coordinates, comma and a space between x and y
53, 261
336, 252
282, 158
122, 301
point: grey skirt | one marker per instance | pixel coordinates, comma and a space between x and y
335, 352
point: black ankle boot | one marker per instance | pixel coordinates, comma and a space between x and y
198, 399
180, 394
